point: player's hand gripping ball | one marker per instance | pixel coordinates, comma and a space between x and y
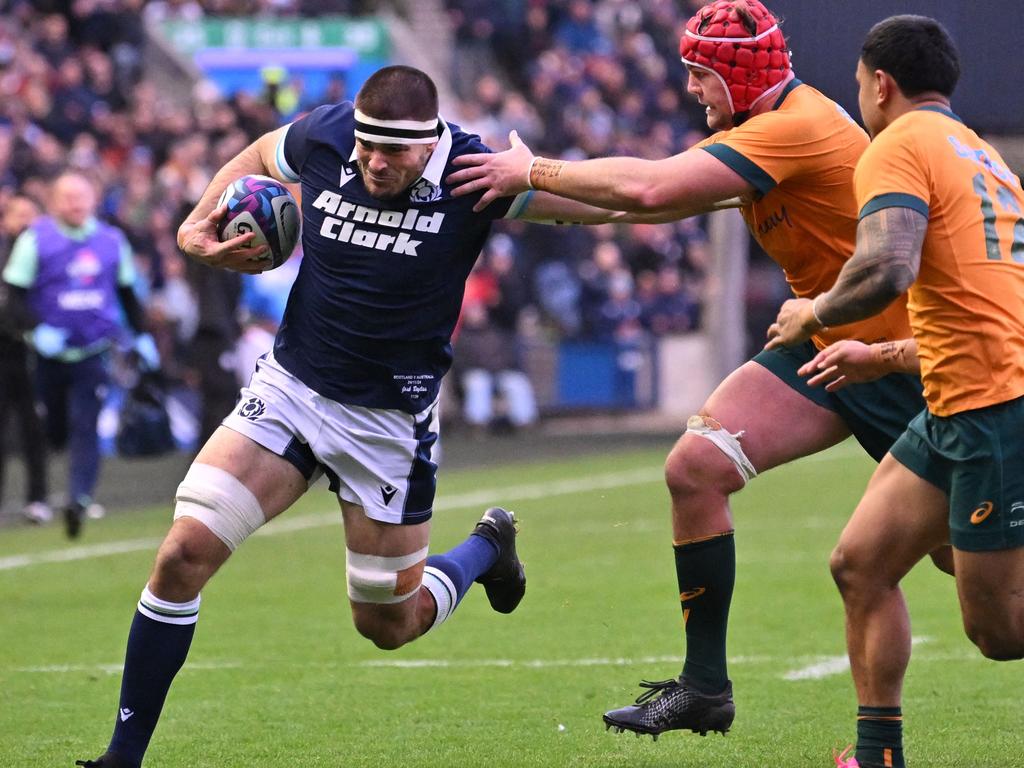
262, 205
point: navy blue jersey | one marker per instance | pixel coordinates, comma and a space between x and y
370, 316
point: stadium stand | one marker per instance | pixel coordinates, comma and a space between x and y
585, 79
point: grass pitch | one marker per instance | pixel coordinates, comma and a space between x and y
277, 676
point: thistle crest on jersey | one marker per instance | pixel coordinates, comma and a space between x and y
751, 60
423, 191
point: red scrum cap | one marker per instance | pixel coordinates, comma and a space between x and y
740, 42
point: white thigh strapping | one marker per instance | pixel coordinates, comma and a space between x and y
382, 580
219, 501
727, 442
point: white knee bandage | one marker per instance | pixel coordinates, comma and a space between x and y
382, 580
727, 442
219, 501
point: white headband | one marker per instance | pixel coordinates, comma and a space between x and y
395, 131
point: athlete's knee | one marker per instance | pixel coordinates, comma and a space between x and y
180, 553
715, 463
942, 558
994, 624
1003, 642
184, 563
1000, 649
839, 565
382, 591
851, 570
387, 632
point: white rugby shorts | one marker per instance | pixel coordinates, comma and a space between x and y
379, 459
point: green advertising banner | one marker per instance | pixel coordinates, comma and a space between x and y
367, 38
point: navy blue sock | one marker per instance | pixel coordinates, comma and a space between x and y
880, 737
449, 576
158, 643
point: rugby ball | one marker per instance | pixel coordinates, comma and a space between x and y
262, 205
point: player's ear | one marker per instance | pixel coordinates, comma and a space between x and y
885, 86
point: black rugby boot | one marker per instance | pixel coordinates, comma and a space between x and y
674, 705
505, 581
106, 760
74, 515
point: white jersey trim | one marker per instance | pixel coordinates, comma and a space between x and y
519, 205
282, 165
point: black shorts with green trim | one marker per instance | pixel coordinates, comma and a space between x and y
977, 458
877, 412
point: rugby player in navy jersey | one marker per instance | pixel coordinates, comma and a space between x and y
350, 389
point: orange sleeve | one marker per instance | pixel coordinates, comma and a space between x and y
767, 149
708, 141
891, 174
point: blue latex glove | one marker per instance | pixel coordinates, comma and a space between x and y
49, 340
145, 348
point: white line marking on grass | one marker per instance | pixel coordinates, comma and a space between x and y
78, 553
538, 663
481, 497
825, 668
111, 669
522, 492
832, 665
526, 491
523, 663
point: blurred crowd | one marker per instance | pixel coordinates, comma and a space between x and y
578, 79
73, 95
575, 78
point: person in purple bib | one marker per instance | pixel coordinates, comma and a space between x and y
72, 277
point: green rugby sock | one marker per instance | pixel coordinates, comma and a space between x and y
880, 737
706, 573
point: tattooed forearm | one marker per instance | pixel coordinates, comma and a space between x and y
899, 355
543, 172
883, 266
891, 352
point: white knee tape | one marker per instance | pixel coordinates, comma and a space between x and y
219, 501
727, 442
382, 580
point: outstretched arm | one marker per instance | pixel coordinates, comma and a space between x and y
546, 208
883, 266
686, 184
197, 235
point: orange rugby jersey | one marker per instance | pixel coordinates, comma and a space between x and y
800, 157
967, 305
